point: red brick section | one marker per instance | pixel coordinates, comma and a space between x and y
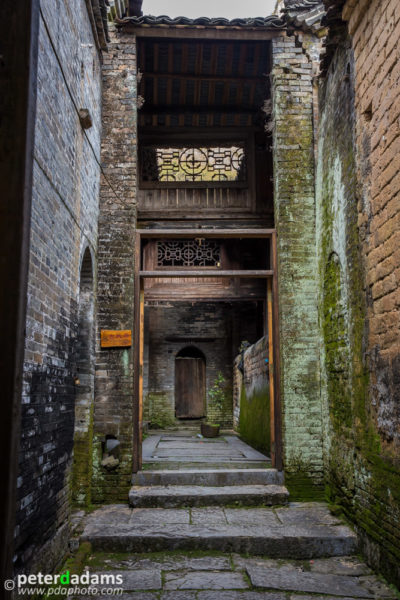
375, 31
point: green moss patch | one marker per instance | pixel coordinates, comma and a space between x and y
254, 421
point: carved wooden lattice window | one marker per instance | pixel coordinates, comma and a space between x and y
223, 164
188, 253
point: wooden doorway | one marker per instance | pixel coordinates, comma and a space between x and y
190, 383
272, 309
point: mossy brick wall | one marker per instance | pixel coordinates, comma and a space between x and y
65, 193
252, 388
358, 226
115, 293
293, 67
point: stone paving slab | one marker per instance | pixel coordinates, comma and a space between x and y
140, 579
177, 595
252, 516
172, 563
289, 578
209, 516
203, 580
234, 595
143, 516
187, 447
224, 577
306, 513
348, 565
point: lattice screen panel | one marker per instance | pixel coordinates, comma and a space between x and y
216, 164
188, 253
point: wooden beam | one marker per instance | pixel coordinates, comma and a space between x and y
206, 233
188, 76
183, 32
153, 109
161, 274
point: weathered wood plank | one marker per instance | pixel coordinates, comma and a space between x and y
259, 274
110, 338
206, 233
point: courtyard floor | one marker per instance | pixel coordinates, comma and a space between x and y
179, 449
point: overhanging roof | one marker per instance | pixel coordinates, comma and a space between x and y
272, 21
256, 28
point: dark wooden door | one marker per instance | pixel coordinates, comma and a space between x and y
190, 387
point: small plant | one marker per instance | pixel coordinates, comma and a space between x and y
216, 399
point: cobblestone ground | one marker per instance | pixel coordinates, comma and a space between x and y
224, 576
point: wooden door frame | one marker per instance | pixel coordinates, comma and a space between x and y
271, 275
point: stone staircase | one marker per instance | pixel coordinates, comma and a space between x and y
208, 487
230, 510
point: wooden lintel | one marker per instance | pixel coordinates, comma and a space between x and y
221, 78
211, 33
153, 109
257, 274
206, 233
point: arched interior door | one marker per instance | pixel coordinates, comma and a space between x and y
190, 387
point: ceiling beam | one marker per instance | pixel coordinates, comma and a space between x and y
222, 78
173, 110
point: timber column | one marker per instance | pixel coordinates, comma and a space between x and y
294, 206
113, 416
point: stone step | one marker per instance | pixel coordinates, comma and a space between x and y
175, 496
295, 531
209, 477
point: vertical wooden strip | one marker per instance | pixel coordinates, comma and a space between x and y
136, 334
276, 353
140, 391
182, 91
271, 369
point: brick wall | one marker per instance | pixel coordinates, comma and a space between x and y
115, 291
64, 223
294, 64
358, 225
375, 30
251, 395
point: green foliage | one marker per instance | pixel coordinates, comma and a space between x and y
219, 400
217, 393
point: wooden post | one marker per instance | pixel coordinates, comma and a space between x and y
140, 374
276, 357
271, 369
136, 362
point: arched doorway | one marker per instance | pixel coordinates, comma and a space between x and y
190, 383
84, 384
